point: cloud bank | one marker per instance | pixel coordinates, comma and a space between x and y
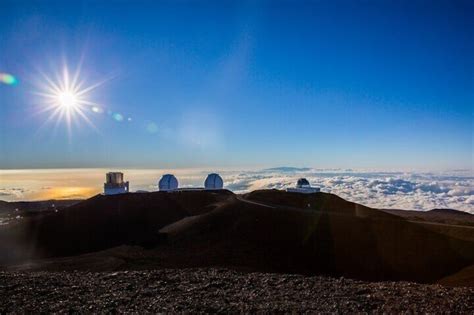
395, 190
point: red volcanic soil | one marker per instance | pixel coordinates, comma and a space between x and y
267, 230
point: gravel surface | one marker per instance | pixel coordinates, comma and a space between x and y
218, 290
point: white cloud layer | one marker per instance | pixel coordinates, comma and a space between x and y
396, 190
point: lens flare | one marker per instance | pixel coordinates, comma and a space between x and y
8, 79
118, 117
66, 99
97, 109
151, 127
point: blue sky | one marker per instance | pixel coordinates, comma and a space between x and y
369, 84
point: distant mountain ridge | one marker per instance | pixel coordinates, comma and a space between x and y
287, 169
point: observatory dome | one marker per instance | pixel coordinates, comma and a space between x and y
168, 182
213, 181
303, 187
302, 183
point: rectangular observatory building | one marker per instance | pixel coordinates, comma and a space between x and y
114, 184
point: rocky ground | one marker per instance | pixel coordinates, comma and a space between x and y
219, 290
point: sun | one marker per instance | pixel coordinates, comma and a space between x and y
66, 99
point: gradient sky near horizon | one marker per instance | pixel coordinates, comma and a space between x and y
374, 84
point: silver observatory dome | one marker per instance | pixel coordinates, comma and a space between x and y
168, 182
213, 181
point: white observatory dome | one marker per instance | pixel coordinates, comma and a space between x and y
303, 187
168, 182
302, 183
213, 181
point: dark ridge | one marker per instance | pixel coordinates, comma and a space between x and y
444, 216
332, 237
265, 230
451, 212
9, 206
101, 222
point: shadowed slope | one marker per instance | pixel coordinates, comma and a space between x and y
265, 230
444, 216
102, 222
332, 236
464, 277
36, 205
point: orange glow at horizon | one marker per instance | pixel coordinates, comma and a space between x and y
66, 193
44, 184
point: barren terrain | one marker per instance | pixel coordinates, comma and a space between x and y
206, 251
219, 290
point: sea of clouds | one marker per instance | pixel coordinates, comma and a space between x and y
380, 189
395, 190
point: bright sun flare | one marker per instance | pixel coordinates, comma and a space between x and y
66, 99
